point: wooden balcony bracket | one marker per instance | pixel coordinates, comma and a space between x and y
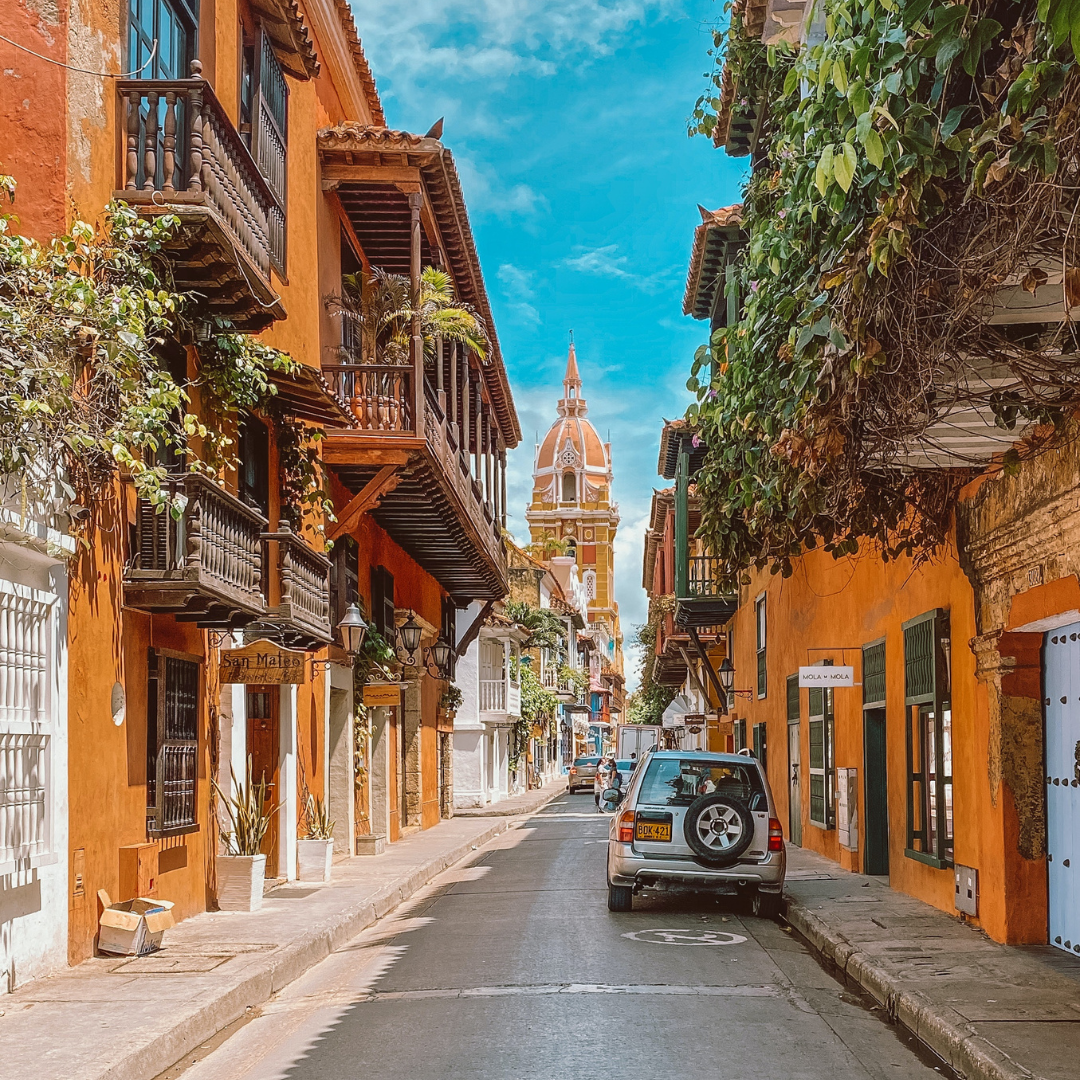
473, 632
382, 483
714, 678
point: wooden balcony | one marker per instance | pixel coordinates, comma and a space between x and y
182, 155
301, 618
445, 509
204, 566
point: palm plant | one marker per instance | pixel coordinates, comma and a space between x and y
248, 814
381, 305
319, 825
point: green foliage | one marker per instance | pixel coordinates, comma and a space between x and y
375, 657
574, 676
248, 813
545, 628
84, 389
908, 111
646, 705
538, 706
451, 698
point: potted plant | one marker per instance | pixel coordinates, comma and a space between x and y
450, 702
241, 871
315, 852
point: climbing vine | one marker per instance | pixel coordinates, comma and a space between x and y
86, 391
918, 158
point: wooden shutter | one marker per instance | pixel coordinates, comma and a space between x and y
762, 666
382, 602
449, 632
760, 746
821, 758
171, 797
793, 699
873, 666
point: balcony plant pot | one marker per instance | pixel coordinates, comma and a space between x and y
240, 882
314, 859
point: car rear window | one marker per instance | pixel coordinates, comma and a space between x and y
587, 761
625, 766
679, 781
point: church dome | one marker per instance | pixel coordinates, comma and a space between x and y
572, 443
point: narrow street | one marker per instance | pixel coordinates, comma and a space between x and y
512, 968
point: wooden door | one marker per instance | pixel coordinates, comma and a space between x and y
262, 718
876, 795
794, 785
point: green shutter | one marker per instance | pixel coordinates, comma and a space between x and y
873, 667
793, 699
920, 657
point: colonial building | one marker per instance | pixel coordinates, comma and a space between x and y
572, 512
259, 127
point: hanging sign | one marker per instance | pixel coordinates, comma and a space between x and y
382, 693
262, 662
826, 676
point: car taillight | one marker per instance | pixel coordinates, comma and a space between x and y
776, 835
626, 827
573, 770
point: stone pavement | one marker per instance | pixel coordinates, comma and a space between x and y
526, 803
993, 1012
130, 1018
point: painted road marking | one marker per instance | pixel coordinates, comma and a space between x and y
686, 937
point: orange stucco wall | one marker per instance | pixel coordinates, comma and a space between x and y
829, 609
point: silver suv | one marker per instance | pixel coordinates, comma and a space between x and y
700, 820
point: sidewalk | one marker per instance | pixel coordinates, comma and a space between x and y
129, 1018
993, 1012
526, 803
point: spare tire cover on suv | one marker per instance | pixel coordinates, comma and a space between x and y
718, 829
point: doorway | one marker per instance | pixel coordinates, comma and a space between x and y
794, 787
262, 720
876, 794
1061, 660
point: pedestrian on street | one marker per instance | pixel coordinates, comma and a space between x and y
607, 776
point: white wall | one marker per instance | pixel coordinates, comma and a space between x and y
34, 888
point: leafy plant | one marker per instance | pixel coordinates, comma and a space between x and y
451, 698
319, 824
545, 628
247, 812
381, 305
914, 156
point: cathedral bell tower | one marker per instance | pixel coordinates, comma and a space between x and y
571, 501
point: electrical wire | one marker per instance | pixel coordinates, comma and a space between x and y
87, 71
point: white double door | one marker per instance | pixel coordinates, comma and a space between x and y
1062, 697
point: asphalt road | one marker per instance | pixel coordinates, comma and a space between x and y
512, 968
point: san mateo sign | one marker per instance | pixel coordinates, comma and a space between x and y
262, 662
826, 676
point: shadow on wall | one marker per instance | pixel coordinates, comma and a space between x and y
16, 901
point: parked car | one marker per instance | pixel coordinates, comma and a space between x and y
582, 773
700, 820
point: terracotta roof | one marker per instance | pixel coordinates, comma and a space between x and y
673, 434
727, 218
662, 501
363, 69
285, 26
443, 186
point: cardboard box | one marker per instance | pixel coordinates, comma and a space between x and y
133, 927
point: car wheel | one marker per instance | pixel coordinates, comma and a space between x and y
765, 905
718, 829
620, 898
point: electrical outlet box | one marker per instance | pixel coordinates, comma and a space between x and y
967, 890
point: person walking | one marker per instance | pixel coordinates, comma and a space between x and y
607, 776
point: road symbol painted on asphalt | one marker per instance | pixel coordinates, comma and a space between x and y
686, 937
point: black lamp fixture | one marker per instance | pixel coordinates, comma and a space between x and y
438, 656
409, 634
726, 671
353, 630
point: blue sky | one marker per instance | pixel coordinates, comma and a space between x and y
567, 119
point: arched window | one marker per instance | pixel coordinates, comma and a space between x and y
589, 580
571, 547
569, 487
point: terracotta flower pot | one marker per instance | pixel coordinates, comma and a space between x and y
314, 859
240, 882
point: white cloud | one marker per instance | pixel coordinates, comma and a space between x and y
607, 262
485, 194
493, 38
518, 291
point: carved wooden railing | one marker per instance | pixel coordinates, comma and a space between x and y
214, 543
304, 585
181, 147
493, 695
379, 395
704, 576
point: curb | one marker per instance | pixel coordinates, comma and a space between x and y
937, 1026
164, 1049
493, 810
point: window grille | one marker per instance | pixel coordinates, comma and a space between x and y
26, 704
172, 743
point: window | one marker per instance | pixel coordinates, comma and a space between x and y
170, 23
26, 725
449, 632
678, 782
382, 603
172, 743
759, 616
569, 487
760, 748
254, 467
822, 801
793, 699
739, 727
929, 739
344, 578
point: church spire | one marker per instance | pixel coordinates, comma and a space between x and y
572, 403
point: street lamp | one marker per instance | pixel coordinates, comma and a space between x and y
353, 630
439, 657
409, 634
726, 671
